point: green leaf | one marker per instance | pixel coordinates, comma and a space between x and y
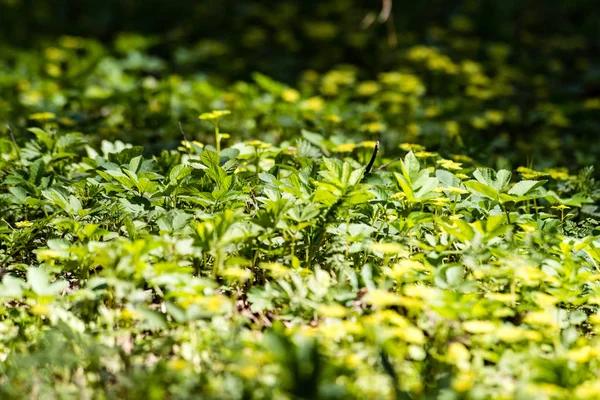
486, 177
482, 189
524, 187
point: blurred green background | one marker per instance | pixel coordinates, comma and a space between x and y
532, 96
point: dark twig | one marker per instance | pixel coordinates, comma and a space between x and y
183, 133
373, 157
12, 137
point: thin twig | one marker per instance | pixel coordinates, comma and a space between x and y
386, 10
12, 137
368, 20
184, 137
373, 157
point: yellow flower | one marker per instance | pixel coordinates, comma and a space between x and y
290, 95
344, 148
479, 123
494, 116
404, 83
449, 164
188, 144
411, 146
479, 326
582, 354
440, 201
276, 269
431, 112
241, 274
334, 118
458, 354
529, 173
588, 390
442, 63
66, 121
413, 129
367, 88
425, 154
421, 53
510, 334
23, 224
370, 144
452, 128
471, 67
259, 144
43, 116
463, 381
313, 104
332, 310
558, 174
455, 190
373, 127
540, 318
383, 298
215, 114
55, 54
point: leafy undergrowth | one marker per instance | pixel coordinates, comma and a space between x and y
309, 269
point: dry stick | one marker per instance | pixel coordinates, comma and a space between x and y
386, 16
183, 134
373, 157
386, 10
12, 137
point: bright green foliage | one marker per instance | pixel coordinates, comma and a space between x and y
265, 271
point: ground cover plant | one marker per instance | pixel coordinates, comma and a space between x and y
426, 230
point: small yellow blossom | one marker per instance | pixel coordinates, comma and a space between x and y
373, 127
344, 148
425, 154
449, 164
413, 129
259, 144
367, 88
494, 116
334, 118
290, 95
452, 128
23, 224
313, 104
216, 114
440, 201
55, 54
456, 190
479, 326
431, 112
332, 310
42, 116
479, 123
370, 144
188, 144
463, 381
558, 174
411, 147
